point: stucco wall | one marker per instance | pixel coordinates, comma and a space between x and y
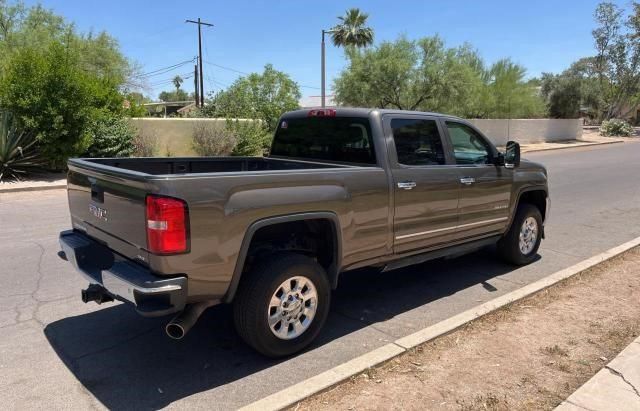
529, 130
173, 135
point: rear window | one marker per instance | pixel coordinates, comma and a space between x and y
340, 139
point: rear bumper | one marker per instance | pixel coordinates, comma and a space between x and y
123, 279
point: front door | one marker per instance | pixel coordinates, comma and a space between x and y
485, 187
425, 183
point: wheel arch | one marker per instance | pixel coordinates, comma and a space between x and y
333, 268
537, 196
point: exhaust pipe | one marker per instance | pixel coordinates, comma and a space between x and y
95, 293
182, 323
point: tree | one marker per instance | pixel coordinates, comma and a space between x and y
177, 95
57, 81
177, 81
352, 30
511, 95
425, 75
562, 93
36, 27
617, 62
262, 97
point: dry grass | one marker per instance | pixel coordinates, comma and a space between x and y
530, 355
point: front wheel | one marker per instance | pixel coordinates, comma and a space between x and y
520, 244
282, 304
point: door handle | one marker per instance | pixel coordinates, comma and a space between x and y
407, 185
467, 180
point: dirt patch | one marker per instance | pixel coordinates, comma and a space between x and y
529, 355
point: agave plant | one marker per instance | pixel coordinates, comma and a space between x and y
18, 154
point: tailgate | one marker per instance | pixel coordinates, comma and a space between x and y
109, 209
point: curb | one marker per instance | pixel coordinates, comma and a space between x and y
524, 151
298, 392
33, 188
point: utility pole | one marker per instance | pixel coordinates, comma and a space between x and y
200, 24
322, 93
195, 83
322, 68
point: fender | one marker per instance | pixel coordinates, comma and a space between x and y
517, 202
333, 270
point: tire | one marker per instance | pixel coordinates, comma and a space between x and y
253, 306
509, 246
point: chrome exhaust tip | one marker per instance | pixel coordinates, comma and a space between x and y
180, 325
175, 331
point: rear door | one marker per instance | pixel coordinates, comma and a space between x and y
485, 187
425, 183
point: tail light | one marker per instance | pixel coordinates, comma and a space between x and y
167, 225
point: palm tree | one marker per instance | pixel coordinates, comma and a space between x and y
177, 81
351, 31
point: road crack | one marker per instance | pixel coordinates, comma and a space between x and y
621, 375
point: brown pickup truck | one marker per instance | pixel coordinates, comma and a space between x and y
341, 189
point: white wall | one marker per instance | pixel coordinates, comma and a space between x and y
529, 130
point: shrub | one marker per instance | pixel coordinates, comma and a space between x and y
48, 90
615, 127
145, 144
252, 138
111, 136
18, 152
211, 139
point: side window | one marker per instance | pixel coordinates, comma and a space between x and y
418, 142
468, 146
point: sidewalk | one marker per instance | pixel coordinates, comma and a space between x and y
558, 145
615, 387
41, 182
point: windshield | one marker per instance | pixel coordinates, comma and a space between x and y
339, 139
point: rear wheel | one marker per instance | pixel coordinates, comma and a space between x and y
520, 244
282, 304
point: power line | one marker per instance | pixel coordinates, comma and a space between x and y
184, 76
246, 74
164, 70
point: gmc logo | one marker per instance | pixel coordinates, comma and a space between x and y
97, 212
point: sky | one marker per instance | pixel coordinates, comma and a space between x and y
542, 35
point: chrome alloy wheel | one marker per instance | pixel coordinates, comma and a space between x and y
292, 308
528, 235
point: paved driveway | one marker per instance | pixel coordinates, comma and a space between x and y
57, 352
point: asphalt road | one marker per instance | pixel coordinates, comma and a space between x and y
57, 352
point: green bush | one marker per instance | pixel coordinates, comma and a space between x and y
18, 152
111, 136
252, 138
213, 139
615, 127
50, 92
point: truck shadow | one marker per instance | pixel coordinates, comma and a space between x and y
127, 362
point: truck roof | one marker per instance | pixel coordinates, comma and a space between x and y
363, 112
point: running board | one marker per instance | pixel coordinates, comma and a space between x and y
454, 251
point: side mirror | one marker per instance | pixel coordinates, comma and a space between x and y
512, 155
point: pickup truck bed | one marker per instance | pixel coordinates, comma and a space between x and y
341, 189
197, 165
